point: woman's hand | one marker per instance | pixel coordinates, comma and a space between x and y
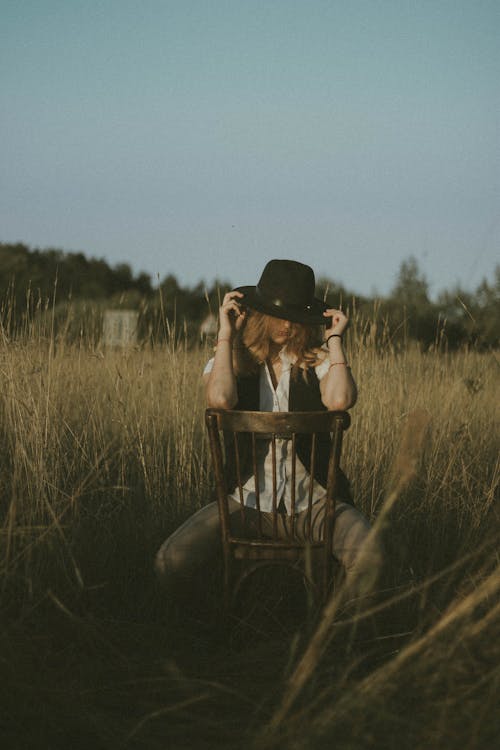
222, 392
231, 315
337, 324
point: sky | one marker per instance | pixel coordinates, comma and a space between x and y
203, 138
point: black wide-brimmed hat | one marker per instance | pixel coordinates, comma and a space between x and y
286, 290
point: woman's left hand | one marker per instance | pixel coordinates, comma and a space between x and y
337, 323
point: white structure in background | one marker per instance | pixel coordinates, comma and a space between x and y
120, 328
208, 326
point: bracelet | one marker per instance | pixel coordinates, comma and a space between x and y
338, 363
333, 336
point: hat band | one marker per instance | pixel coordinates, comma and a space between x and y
277, 302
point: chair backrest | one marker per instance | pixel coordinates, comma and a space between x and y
236, 445
238, 442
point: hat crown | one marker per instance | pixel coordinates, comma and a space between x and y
286, 290
287, 282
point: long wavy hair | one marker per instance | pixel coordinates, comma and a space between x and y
253, 343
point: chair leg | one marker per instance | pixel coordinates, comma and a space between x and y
227, 584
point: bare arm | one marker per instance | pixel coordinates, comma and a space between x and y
338, 389
221, 382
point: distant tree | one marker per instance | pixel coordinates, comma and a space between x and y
143, 284
72, 273
473, 317
333, 293
81, 287
31, 279
489, 306
188, 306
411, 287
409, 309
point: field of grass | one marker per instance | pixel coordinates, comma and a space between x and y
103, 454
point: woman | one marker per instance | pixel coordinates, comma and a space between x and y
270, 357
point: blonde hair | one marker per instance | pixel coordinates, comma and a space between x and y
254, 341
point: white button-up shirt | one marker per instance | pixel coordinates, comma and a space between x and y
277, 400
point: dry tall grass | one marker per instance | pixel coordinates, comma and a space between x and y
103, 453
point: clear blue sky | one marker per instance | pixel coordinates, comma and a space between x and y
204, 138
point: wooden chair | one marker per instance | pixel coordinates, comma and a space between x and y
235, 437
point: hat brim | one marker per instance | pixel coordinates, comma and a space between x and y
312, 315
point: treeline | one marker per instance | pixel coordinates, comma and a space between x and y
76, 290
73, 291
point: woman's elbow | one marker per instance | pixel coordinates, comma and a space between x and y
220, 402
340, 403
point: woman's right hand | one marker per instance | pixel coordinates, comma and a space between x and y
231, 315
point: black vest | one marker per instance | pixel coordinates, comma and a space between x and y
304, 395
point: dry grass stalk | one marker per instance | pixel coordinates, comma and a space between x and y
118, 438
459, 614
404, 469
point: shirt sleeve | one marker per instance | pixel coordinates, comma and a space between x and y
209, 367
322, 368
